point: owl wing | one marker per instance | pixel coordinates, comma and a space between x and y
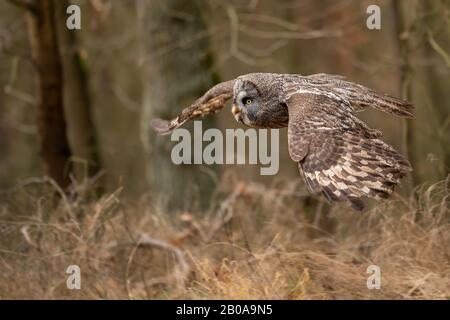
211, 102
337, 154
361, 97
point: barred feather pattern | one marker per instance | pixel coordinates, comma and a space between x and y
337, 154
345, 167
211, 102
358, 96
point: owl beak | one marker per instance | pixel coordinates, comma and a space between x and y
236, 112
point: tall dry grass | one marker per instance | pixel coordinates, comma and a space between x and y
256, 242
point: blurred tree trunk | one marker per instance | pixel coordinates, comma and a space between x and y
421, 32
51, 125
177, 66
4, 146
77, 102
436, 48
403, 36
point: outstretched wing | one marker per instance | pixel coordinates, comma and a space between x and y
338, 155
211, 102
360, 96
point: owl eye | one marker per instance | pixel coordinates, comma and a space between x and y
247, 101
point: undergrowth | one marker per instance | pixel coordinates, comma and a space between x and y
256, 242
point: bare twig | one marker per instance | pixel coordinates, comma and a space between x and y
146, 240
306, 35
180, 273
439, 50
234, 50
263, 18
225, 212
289, 32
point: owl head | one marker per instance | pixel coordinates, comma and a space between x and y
257, 98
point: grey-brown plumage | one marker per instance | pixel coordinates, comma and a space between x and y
337, 154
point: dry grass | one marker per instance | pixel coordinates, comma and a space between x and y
255, 243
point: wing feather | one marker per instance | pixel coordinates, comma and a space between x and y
339, 156
211, 102
361, 97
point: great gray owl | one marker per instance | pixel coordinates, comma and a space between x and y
337, 154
